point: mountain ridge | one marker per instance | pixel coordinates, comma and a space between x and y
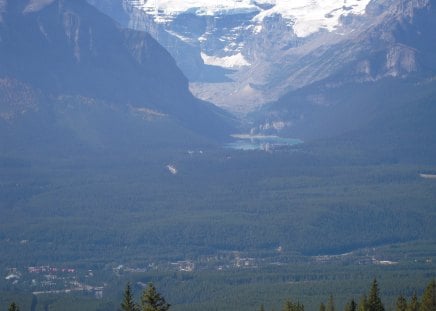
266, 60
63, 54
398, 51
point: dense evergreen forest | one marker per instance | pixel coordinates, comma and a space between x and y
152, 300
308, 202
307, 221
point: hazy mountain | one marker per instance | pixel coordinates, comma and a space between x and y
272, 47
385, 76
71, 73
322, 64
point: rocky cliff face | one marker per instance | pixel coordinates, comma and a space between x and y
379, 75
261, 50
392, 39
69, 47
71, 73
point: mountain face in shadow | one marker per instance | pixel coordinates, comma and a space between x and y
64, 54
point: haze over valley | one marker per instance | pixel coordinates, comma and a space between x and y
236, 154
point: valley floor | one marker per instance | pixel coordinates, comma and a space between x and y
226, 229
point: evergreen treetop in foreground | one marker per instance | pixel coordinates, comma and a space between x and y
151, 300
429, 298
128, 303
13, 307
374, 301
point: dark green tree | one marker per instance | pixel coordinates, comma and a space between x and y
322, 307
414, 303
13, 307
330, 304
128, 303
428, 302
363, 304
401, 304
262, 308
151, 300
351, 306
374, 301
291, 306
299, 307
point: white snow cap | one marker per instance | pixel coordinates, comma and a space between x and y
199, 7
306, 16
309, 16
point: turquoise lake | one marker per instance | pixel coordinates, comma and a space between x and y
260, 142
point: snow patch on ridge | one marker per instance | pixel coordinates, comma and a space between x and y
305, 16
177, 35
308, 17
171, 8
233, 61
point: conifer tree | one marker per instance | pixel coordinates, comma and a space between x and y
299, 307
291, 306
262, 308
363, 304
13, 307
128, 303
401, 304
151, 300
374, 301
351, 306
322, 307
288, 306
428, 302
414, 303
330, 304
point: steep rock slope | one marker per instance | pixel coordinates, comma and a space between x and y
382, 96
271, 47
61, 56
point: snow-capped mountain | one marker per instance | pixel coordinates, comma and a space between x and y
375, 85
242, 54
305, 17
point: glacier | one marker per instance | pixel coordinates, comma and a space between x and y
305, 16
233, 51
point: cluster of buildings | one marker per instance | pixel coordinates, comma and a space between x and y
47, 279
49, 269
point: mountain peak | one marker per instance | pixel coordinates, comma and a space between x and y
243, 54
67, 68
304, 16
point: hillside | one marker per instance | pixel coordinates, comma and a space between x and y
69, 74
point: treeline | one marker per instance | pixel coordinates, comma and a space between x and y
152, 300
373, 302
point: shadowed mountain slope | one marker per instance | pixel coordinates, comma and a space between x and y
57, 55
